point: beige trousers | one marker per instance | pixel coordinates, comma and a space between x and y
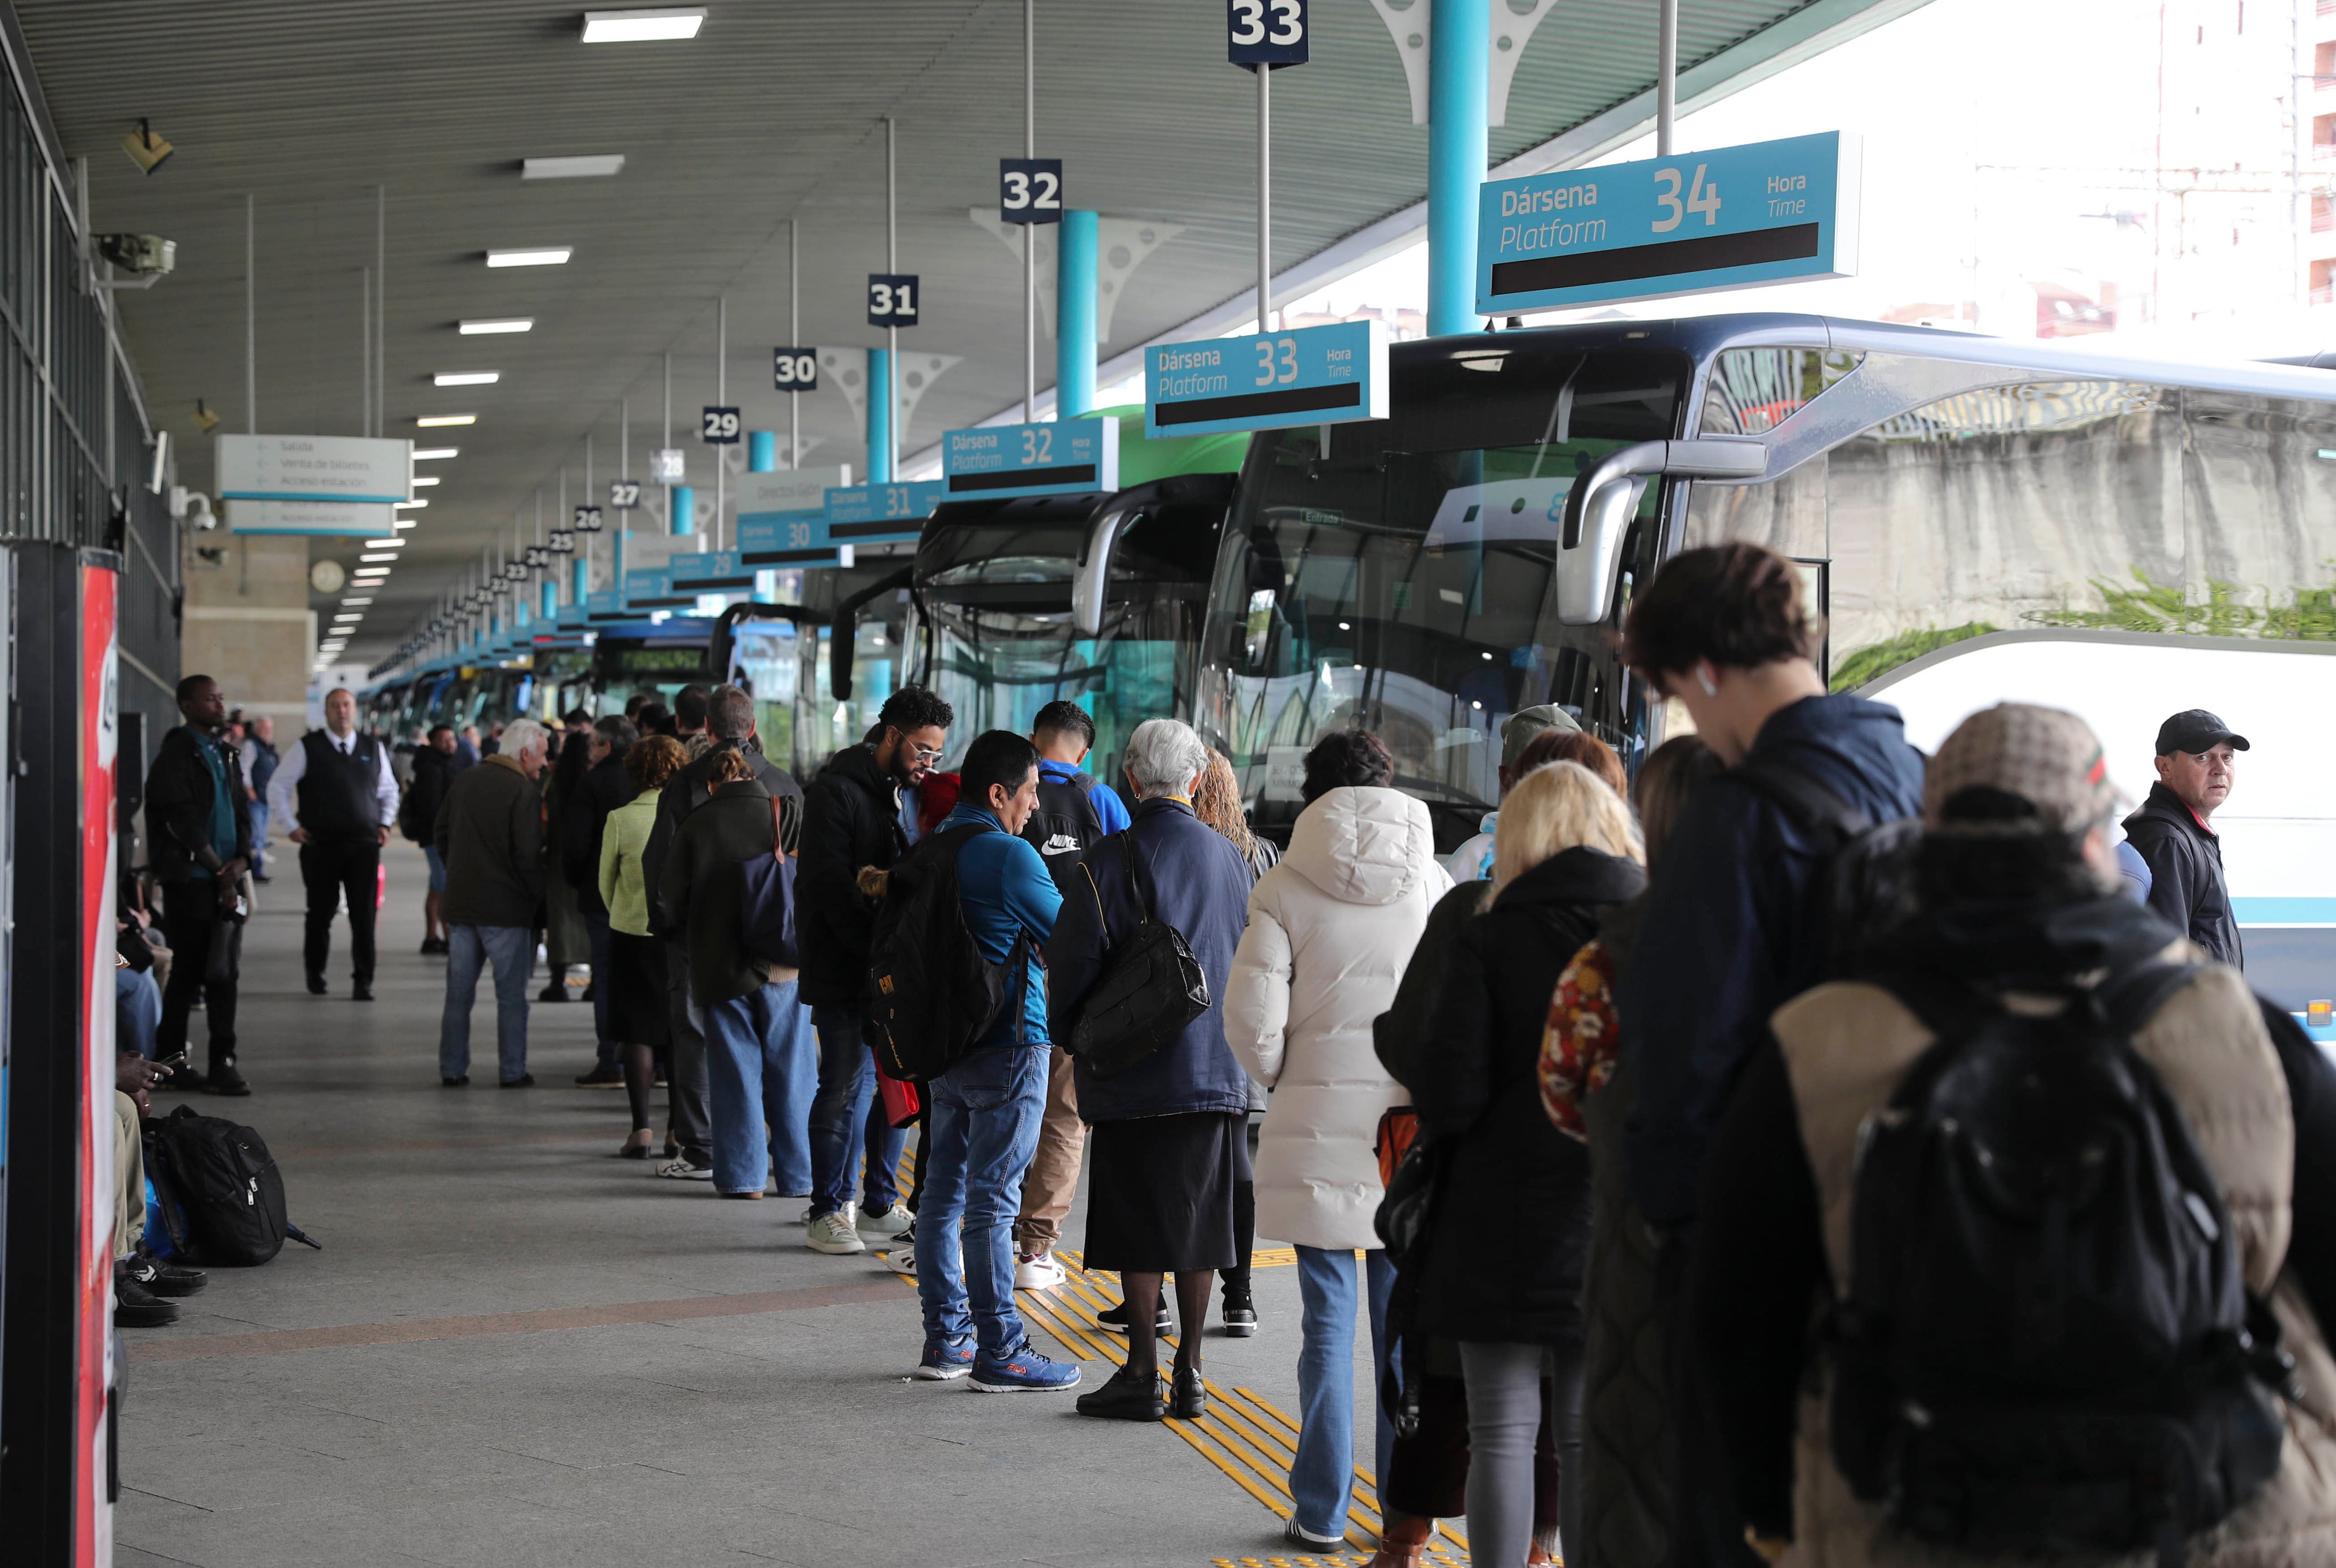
129, 1177
1054, 1174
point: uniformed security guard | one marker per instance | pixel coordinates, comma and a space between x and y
347, 799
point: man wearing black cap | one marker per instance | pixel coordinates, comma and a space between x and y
2196, 766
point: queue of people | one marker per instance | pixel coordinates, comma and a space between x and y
1712, 1158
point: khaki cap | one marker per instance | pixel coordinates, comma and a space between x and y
2046, 756
1528, 724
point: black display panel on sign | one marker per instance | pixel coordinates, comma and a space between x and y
893, 298
795, 369
1029, 191
720, 427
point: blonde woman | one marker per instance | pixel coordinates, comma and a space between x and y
1504, 1271
636, 979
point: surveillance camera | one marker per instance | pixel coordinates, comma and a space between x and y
139, 255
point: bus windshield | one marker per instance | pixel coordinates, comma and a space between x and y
1402, 580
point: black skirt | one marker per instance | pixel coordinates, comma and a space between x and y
637, 990
1160, 1198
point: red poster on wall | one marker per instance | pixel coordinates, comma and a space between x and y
100, 733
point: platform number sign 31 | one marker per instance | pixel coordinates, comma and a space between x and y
795, 369
1029, 191
1266, 32
721, 427
893, 298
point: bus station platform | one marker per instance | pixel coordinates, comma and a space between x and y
515, 1348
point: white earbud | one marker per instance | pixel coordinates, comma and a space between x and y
1703, 679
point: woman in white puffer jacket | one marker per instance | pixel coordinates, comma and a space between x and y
1330, 930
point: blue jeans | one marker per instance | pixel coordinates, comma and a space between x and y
437, 868
605, 1050
469, 950
258, 835
847, 1120
981, 1131
137, 1011
761, 1073
1323, 1478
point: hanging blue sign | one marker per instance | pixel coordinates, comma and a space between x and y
709, 571
881, 513
784, 538
1065, 458
655, 591
1333, 375
1732, 218
606, 605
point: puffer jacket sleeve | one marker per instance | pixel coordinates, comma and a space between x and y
1454, 1078
1257, 993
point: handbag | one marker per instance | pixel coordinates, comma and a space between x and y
1152, 985
766, 911
1405, 1225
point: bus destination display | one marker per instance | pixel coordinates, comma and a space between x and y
1729, 217
1333, 375
1064, 458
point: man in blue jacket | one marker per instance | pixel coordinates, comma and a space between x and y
1732, 929
984, 1110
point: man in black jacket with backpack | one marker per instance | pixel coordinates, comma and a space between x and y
852, 819
198, 828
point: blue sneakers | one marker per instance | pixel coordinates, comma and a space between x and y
946, 1359
1022, 1370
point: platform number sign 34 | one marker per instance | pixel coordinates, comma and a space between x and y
893, 298
1701, 198
1029, 191
1266, 32
795, 369
721, 427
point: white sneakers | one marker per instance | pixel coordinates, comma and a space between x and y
833, 1233
891, 1223
1039, 1274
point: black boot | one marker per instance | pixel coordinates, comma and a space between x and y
1129, 1396
1188, 1400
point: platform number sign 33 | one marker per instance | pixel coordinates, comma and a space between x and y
1701, 198
795, 369
721, 427
1266, 32
893, 298
1029, 191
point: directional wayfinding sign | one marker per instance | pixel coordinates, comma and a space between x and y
318, 485
1731, 217
1064, 458
1331, 375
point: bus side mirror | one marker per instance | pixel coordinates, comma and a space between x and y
1091, 579
1600, 504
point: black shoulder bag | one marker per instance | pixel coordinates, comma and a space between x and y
1152, 985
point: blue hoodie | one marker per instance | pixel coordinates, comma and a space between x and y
1008, 893
1730, 935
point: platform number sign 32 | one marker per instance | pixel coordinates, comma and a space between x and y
795, 369
1266, 32
1029, 191
893, 298
721, 427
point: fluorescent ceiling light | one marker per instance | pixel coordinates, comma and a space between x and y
424, 481
643, 26
535, 256
424, 453
355, 601
466, 378
402, 523
592, 166
438, 421
382, 557
397, 503
506, 324
385, 544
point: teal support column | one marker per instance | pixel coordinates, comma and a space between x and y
1460, 34
1074, 315
880, 416
551, 597
681, 510
580, 581
761, 452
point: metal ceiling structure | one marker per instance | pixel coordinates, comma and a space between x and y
774, 112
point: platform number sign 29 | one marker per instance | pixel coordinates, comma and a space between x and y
721, 427
1268, 33
1029, 191
893, 298
795, 369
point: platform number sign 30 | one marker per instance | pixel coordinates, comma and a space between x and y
1266, 32
721, 427
893, 298
625, 495
1029, 191
1701, 198
795, 369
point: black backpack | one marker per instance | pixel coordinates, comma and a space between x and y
1864, 885
2045, 1347
932, 992
222, 1199
1065, 826
1151, 986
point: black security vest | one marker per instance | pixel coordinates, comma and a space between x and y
337, 794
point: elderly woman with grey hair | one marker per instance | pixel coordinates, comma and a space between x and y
1169, 1140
